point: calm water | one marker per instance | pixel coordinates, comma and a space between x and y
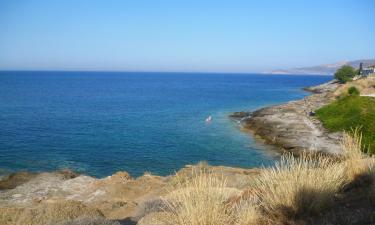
98, 123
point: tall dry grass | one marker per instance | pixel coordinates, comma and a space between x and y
199, 201
247, 213
358, 164
301, 186
293, 188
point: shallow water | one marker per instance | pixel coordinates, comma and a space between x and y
100, 122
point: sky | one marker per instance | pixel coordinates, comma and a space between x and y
189, 36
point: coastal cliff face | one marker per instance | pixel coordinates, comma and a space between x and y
292, 126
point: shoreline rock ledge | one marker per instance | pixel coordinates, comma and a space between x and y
67, 198
292, 126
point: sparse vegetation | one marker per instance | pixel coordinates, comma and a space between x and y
354, 157
45, 213
148, 206
364, 86
298, 187
345, 74
294, 189
200, 201
248, 214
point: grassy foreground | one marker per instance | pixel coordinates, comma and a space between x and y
349, 113
294, 191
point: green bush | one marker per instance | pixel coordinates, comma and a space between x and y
345, 73
353, 91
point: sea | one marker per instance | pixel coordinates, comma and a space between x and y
98, 123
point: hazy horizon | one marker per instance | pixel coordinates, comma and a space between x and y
194, 36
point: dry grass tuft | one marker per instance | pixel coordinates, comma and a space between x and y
248, 214
358, 164
299, 186
148, 206
351, 144
200, 201
203, 165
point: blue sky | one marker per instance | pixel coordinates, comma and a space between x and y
171, 35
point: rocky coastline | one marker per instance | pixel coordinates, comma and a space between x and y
67, 198
292, 126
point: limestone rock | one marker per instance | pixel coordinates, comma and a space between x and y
64, 197
292, 126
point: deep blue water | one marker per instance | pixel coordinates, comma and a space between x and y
99, 122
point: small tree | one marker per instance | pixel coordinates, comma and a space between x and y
345, 73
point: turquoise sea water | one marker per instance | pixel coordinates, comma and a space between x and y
99, 122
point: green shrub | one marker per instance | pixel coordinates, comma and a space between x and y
345, 73
353, 91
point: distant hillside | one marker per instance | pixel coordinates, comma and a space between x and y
326, 69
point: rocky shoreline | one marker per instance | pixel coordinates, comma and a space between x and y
292, 126
67, 198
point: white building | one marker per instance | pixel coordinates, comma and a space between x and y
367, 71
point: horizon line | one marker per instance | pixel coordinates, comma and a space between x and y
125, 71
140, 71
